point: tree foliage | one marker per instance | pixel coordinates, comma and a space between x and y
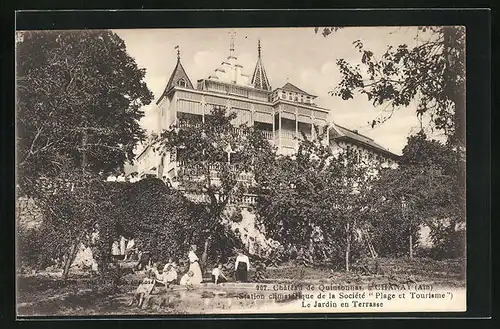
79, 96
159, 218
217, 162
315, 201
432, 73
427, 180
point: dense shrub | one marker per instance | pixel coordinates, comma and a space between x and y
161, 220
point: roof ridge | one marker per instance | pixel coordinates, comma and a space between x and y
354, 131
291, 87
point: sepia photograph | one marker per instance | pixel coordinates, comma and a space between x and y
190, 171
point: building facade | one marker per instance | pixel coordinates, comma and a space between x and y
283, 114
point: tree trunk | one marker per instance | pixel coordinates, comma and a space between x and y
71, 257
411, 243
348, 248
311, 250
204, 256
455, 86
84, 144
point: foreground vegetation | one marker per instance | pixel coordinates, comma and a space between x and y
80, 295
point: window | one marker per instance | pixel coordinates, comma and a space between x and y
181, 83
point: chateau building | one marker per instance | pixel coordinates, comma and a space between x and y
283, 114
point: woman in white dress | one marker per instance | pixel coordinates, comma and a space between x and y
194, 266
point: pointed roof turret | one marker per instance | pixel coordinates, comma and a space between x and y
259, 78
230, 71
178, 77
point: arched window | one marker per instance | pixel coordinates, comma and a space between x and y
182, 83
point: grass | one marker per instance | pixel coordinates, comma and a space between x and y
41, 295
441, 273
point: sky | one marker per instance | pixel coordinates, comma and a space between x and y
296, 55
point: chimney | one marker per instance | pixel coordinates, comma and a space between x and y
355, 131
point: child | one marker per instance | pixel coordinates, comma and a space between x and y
186, 279
144, 260
217, 275
169, 274
115, 250
170, 262
156, 272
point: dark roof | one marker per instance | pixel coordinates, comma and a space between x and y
360, 139
178, 74
289, 87
259, 78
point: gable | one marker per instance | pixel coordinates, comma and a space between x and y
178, 78
289, 87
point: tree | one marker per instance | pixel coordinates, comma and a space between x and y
72, 205
432, 73
426, 180
216, 160
79, 99
156, 216
315, 200
445, 194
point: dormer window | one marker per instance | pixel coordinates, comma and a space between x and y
182, 83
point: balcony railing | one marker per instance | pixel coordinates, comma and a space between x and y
287, 134
267, 134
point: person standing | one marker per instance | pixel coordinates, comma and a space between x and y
242, 266
129, 248
123, 245
194, 266
115, 250
251, 245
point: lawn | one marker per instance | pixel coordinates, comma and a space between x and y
45, 295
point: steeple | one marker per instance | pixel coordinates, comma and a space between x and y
259, 78
178, 77
231, 47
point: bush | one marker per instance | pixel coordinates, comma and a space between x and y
28, 248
